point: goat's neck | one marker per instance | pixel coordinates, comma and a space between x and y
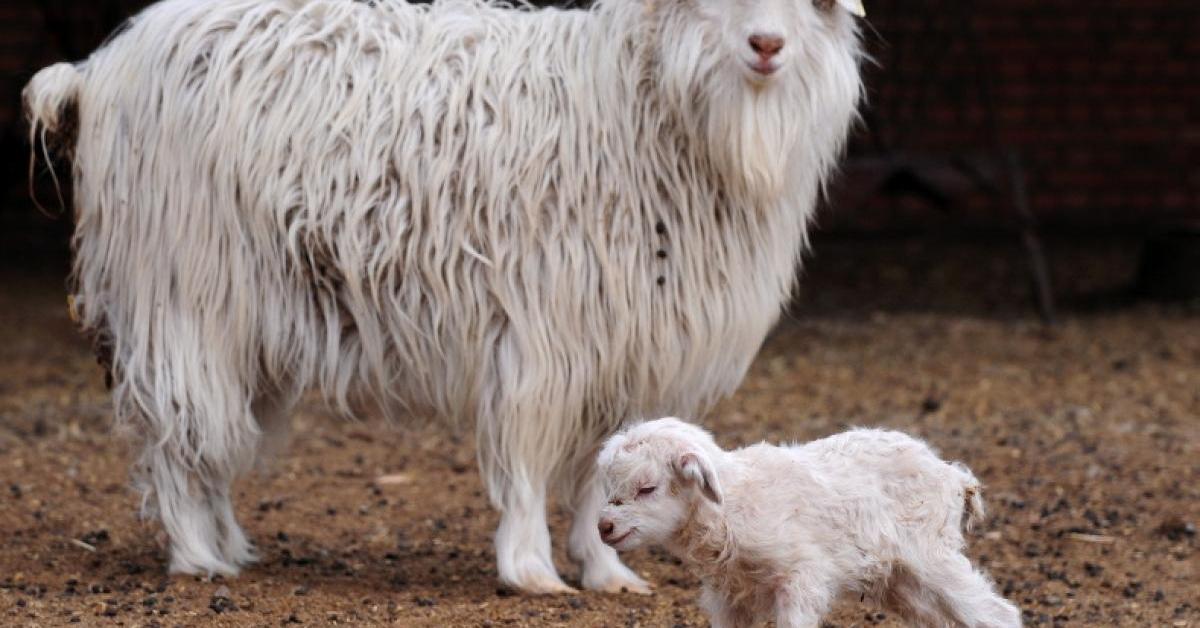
705, 543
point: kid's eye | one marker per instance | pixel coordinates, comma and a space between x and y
645, 490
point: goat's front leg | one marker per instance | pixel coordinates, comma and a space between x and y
602, 569
720, 613
802, 602
517, 462
793, 616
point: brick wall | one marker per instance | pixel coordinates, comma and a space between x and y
1102, 99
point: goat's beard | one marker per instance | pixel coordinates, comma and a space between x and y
751, 135
750, 130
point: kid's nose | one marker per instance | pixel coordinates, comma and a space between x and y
606, 528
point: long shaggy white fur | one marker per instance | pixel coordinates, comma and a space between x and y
541, 221
779, 532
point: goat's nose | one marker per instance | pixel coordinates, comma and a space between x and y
606, 528
766, 46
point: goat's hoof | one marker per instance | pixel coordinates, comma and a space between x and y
544, 585
624, 581
641, 587
206, 568
537, 581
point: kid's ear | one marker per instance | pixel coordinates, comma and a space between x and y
695, 468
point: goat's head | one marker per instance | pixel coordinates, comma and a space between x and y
754, 76
653, 473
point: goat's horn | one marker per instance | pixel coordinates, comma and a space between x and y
854, 6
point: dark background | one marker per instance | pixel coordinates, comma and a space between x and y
1092, 108
914, 313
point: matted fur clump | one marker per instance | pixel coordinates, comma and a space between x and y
541, 222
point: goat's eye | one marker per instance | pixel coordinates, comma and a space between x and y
645, 490
615, 502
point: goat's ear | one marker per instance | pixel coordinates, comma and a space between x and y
695, 468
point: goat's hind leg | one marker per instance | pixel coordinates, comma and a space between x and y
273, 414
945, 590
196, 438
968, 595
193, 503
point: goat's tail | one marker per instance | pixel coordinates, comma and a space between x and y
51, 101
973, 512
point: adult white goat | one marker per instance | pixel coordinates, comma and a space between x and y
544, 221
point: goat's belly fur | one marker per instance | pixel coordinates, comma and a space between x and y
462, 212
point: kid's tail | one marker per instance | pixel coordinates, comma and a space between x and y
973, 512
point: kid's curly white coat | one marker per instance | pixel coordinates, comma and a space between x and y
779, 532
539, 221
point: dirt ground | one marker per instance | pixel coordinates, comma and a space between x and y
1087, 436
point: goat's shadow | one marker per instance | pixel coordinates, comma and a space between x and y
298, 565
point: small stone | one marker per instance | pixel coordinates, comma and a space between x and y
1176, 529
95, 537
221, 601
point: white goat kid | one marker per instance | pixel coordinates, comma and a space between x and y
779, 532
537, 222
